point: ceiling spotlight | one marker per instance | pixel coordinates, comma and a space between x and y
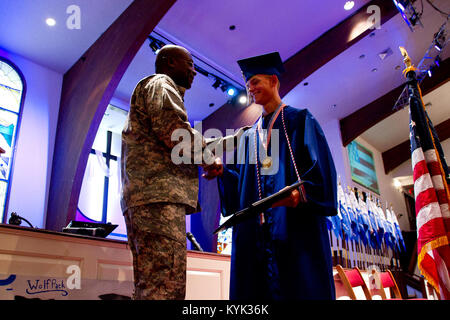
154, 46
397, 184
50, 22
400, 5
231, 91
438, 61
439, 39
349, 5
243, 99
438, 46
408, 12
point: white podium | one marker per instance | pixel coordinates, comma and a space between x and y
43, 264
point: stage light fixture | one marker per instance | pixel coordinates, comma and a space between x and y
437, 61
154, 46
216, 83
431, 59
231, 91
399, 4
439, 39
242, 99
409, 13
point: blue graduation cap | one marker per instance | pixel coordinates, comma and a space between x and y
264, 64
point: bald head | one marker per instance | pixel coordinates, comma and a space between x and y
166, 53
177, 63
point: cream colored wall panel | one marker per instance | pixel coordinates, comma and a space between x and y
204, 285
114, 270
209, 262
25, 263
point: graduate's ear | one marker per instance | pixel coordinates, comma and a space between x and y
249, 96
274, 82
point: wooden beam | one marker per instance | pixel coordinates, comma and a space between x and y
395, 156
331, 44
309, 59
359, 121
86, 91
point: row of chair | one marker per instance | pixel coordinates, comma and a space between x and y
352, 278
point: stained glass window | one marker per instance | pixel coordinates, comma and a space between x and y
11, 95
224, 238
100, 191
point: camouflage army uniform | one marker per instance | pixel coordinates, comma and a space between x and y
159, 258
157, 193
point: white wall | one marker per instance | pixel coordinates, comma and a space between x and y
332, 132
405, 169
35, 143
388, 193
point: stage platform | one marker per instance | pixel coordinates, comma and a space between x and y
43, 264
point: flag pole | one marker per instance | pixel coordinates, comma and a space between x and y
433, 250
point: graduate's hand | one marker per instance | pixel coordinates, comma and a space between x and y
290, 201
213, 170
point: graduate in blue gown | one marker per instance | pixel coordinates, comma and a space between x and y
284, 253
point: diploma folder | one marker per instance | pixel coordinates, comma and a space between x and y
257, 207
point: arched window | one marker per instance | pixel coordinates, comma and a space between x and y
12, 93
100, 191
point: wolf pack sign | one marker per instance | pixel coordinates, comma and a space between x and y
17, 287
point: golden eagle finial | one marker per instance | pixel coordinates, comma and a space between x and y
406, 61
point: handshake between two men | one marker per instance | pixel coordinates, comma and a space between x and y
215, 170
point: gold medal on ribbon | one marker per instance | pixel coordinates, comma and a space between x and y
267, 162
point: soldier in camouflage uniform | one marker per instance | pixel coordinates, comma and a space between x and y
157, 193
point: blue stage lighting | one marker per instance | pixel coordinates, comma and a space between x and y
408, 12
231, 91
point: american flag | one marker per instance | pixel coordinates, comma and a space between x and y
430, 174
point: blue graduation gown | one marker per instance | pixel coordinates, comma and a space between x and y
289, 256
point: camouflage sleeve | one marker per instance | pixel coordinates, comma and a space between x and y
170, 123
